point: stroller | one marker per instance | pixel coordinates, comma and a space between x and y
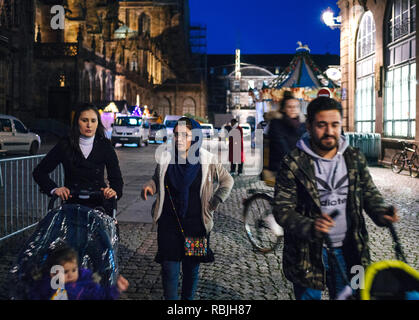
391, 279
91, 232
383, 280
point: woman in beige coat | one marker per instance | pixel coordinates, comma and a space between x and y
186, 199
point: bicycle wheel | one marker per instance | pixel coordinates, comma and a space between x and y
261, 228
397, 162
414, 168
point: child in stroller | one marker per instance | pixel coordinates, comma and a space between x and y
93, 235
74, 283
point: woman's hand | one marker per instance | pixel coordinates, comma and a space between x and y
122, 284
63, 193
145, 191
108, 193
214, 203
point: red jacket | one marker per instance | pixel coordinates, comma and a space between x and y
235, 143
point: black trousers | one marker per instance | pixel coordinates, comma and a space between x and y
233, 168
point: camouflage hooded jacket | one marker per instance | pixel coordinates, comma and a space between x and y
297, 205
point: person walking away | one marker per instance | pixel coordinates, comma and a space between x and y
285, 129
323, 174
185, 206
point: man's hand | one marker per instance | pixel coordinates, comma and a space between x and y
324, 224
392, 217
145, 191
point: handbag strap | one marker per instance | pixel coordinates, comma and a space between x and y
174, 210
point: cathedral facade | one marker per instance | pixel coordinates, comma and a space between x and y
98, 51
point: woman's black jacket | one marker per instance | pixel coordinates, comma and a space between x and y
81, 173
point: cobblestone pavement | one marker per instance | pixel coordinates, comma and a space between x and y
239, 272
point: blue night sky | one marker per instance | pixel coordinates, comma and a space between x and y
265, 26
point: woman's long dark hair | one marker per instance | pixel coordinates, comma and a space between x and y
75, 129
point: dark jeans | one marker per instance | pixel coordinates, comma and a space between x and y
170, 277
334, 280
233, 168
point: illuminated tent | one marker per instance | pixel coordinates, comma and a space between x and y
111, 108
302, 73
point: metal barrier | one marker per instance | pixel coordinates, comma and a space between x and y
368, 143
22, 205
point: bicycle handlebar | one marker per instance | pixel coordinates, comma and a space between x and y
407, 145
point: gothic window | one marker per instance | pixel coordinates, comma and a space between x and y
144, 24
5, 11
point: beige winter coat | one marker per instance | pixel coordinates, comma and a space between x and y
212, 172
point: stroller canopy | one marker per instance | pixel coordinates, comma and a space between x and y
390, 280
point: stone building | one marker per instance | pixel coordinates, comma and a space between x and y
16, 55
106, 50
378, 63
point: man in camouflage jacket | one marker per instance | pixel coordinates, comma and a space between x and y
308, 189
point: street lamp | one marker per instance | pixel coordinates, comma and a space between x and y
330, 20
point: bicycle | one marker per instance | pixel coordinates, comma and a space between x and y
261, 228
401, 159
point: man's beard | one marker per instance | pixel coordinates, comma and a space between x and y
318, 143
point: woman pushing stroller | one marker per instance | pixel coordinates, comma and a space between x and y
84, 155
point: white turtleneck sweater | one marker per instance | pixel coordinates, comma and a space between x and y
86, 146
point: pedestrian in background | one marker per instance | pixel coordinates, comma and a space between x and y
184, 208
324, 175
236, 148
285, 128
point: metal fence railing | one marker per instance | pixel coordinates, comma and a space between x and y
22, 204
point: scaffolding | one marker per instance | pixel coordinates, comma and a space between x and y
198, 46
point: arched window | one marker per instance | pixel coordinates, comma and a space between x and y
400, 67
189, 106
144, 24
164, 107
365, 61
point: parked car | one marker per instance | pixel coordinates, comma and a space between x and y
157, 133
247, 129
14, 136
130, 129
208, 130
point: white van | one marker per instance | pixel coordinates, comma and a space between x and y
247, 129
170, 122
130, 129
207, 130
14, 136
